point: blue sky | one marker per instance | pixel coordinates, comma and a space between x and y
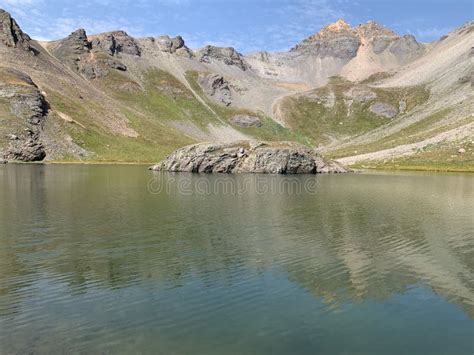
247, 25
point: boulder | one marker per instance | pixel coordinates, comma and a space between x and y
245, 157
173, 45
246, 121
215, 86
384, 110
402, 106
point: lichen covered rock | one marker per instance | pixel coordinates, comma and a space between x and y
246, 157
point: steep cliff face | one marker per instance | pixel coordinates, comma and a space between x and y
337, 40
24, 113
94, 59
11, 34
115, 43
341, 40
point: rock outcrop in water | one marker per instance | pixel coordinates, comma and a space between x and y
248, 157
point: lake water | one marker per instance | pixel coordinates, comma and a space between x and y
115, 259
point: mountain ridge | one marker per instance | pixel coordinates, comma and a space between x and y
109, 94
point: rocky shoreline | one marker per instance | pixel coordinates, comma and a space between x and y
248, 157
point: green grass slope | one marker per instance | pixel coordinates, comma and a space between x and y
269, 131
151, 106
448, 157
146, 112
329, 113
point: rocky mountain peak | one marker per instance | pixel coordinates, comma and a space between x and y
335, 40
339, 25
372, 29
340, 40
11, 34
340, 28
116, 42
228, 55
94, 59
336, 29
77, 41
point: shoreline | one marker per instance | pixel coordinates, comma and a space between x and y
433, 169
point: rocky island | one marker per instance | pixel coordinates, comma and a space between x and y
248, 157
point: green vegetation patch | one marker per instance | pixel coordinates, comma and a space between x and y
437, 157
269, 131
162, 97
154, 142
418, 131
331, 113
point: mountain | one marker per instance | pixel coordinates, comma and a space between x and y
364, 95
354, 52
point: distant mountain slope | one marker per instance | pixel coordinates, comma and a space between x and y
111, 97
338, 49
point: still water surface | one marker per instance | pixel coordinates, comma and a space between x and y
91, 261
